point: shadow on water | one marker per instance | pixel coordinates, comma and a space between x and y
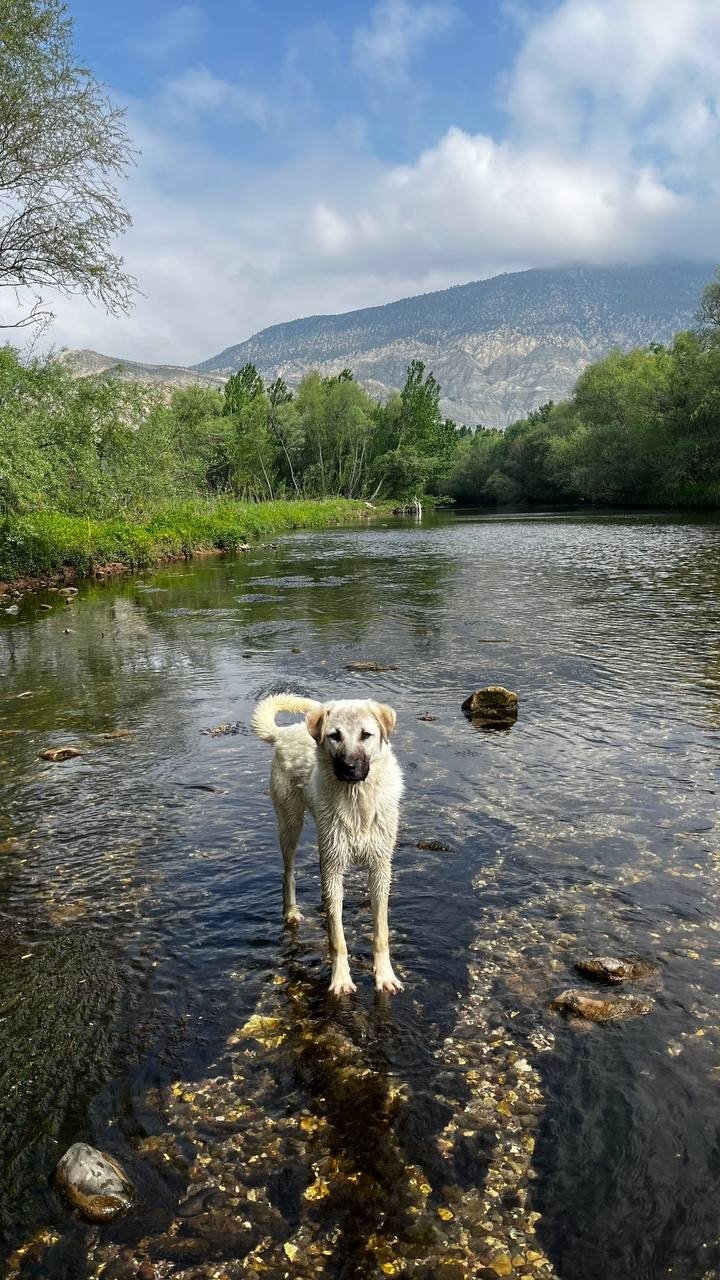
150, 1003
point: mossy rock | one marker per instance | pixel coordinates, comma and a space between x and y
493, 705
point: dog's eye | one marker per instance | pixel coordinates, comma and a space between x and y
335, 735
365, 734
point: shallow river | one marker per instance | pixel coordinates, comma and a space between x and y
151, 1003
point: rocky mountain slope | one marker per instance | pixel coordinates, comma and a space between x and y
498, 347
86, 364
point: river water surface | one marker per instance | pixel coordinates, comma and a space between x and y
151, 1003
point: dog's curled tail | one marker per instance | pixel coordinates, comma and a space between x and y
263, 721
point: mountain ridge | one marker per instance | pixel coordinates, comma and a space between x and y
82, 362
499, 347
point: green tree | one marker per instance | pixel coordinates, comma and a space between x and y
241, 388
201, 437
63, 146
420, 420
708, 316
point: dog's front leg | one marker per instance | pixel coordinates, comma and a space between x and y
289, 809
341, 983
379, 884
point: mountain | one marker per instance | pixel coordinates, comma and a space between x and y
86, 364
498, 347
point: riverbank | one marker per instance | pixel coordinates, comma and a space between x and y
46, 547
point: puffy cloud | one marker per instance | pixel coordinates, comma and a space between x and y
597, 71
611, 153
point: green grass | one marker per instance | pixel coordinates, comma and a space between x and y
45, 542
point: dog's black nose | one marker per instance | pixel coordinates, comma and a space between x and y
351, 770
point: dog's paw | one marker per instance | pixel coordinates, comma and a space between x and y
292, 918
342, 987
388, 982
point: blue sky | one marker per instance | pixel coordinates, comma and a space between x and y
311, 54
304, 157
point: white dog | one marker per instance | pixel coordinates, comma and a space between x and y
340, 767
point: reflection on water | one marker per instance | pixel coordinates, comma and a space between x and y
151, 1003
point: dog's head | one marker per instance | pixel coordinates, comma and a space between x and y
351, 734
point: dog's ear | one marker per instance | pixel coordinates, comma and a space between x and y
315, 722
385, 717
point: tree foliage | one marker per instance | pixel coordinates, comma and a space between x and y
640, 428
63, 146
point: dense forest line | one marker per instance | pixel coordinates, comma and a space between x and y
640, 428
103, 447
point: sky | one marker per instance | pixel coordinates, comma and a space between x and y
298, 157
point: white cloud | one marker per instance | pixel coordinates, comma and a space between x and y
198, 92
596, 68
396, 32
170, 34
612, 153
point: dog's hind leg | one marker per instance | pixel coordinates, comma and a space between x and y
379, 884
290, 810
341, 983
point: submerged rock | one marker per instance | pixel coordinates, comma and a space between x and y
94, 1183
612, 970
67, 592
369, 666
222, 730
435, 846
594, 1009
493, 705
59, 753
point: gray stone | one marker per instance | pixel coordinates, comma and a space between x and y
92, 1182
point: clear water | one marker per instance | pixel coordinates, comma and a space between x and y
151, 1003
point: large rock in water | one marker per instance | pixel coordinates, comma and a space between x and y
594, 1009
612, 970
493, 705
94, 1183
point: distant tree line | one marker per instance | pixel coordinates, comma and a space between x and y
641, 428
102, 447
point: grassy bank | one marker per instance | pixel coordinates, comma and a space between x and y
47, 544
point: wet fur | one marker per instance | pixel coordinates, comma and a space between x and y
351, 785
